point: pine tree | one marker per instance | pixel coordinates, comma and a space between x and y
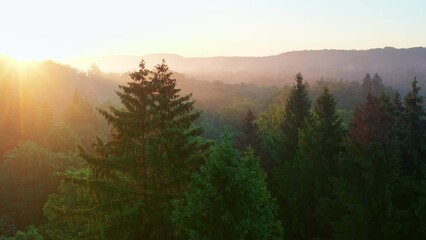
296, 110
228, 199
133, 178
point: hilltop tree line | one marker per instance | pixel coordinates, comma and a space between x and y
290, 168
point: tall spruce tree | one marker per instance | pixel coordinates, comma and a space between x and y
132, 180
369, 171
373, 86
306, 181
249, 136
414, 154
377, 86
410, 197
366, 85
296, 110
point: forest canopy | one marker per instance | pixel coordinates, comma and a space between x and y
153, 154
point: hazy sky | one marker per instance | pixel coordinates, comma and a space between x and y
60, 29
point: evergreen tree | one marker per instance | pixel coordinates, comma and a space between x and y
373, 86
366, 85
295, 113
133, 178
306, 182
419, 228
250, 133
228, 199
368, 171
414, 154
409, 199
377, 86
296, 110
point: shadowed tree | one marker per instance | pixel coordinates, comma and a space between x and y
368, 173
228, 199
296, 110
133, 179
249, 136
306, 181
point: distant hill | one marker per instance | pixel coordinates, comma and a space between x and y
396, 66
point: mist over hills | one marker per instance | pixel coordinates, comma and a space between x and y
395, 66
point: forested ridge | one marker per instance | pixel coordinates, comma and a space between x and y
170, 157
396, 65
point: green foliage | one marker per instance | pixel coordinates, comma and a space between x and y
81, 117
270, 123
348, 94
228, 199
373, 86
62, 207
409, 199
227, 118
30, 234
28, 176
368, 173
61, 138
249, 136
133, 178
414, 155
296, 110
302, 185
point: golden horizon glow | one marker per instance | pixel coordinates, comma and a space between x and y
59, 30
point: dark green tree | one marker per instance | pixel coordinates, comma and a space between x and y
414, 153
270, 123
133, 178
31, 234
373, 86
368, 173
28, 176
228, 199
306, 182
409, 199
366, 85
296, 110
377, 86
249, 136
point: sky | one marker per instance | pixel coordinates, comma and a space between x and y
57, 29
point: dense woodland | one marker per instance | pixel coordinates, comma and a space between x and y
170, 157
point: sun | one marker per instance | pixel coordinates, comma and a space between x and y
24, 57
24, 53
20, 68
